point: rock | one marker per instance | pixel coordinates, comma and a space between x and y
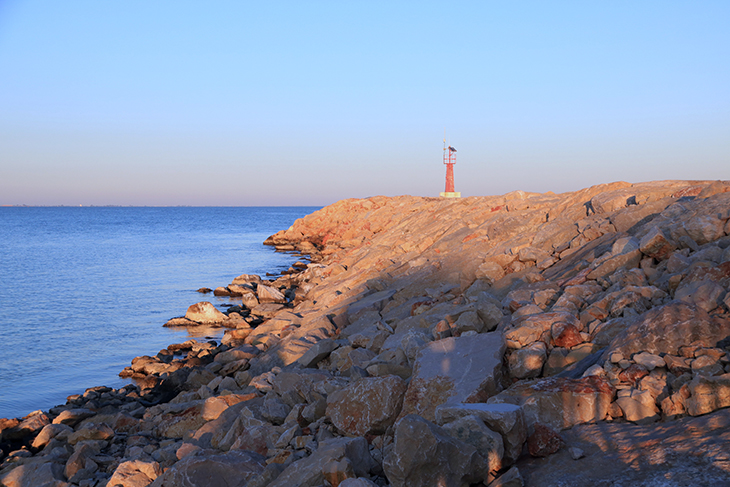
534, 327
249, 300
472, 430
506, 419
489, 313
310, 471
175, 425
533, 254
72, 417
656, 244
267, 294
243, 352
80, 458
560, 403
576, 453
317, 352
649, 360
490, 271
30, 425
633, 373
91, 431
34, 475
543, 441
527, 362
625, 254
221, 291
455, 370
708, 394
209, 467
706, 365
246, 279
511, 478
335, 472
424, 454
565, 335
367, 407
704, 228
49, 432
274, 409
214, 406
468, 321
706, 295
205, 313
638, 406
666, 328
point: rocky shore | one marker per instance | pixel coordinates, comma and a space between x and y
524, 339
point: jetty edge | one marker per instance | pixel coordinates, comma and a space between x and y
523, 339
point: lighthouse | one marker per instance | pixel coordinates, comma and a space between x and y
449, 161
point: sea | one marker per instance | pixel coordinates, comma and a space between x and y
84, 290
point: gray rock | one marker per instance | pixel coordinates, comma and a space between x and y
472, 430
425, 454
34, 475
368, 406
210, 467
317, 352
309, 471
506, 419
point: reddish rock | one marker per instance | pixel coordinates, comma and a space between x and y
544, 441
633, 373
565, 335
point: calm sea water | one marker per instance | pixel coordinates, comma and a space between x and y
85, 290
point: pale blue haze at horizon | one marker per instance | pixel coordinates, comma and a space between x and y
305, 103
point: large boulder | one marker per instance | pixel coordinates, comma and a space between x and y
369, 406
453, 371
506, 419
425, 454
472, 430
210, 467
558, 402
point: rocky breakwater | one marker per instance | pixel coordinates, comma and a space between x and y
523, 339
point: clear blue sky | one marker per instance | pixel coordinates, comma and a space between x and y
308, 102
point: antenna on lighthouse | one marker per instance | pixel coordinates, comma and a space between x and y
449, 161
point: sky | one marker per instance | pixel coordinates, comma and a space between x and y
233, 103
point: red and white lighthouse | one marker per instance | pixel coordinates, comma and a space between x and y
449, 161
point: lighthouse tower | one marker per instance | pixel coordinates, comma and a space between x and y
449, 161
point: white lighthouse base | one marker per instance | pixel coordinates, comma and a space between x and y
456, 194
